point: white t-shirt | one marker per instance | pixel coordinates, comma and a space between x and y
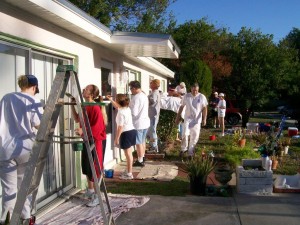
124, 119
139, 106
221, 112
19, 113
194, 106
171, 103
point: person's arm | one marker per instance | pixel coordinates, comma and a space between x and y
177, 121
204, 115
118, 134
114, 103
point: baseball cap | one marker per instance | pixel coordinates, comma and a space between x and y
33, 81
221, 95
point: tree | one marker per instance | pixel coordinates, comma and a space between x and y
199, 40
131, 15
196, 71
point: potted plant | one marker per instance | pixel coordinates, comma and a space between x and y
240, 137
223, 173
198, 168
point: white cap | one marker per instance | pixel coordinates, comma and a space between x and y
221, 95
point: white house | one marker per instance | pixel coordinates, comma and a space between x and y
38, 35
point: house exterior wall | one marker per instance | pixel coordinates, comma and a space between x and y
22, 28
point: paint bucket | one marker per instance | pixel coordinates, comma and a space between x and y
109, 173
77, 146
212, 137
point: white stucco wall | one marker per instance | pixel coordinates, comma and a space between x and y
91, 56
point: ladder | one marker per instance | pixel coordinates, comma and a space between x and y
44, 138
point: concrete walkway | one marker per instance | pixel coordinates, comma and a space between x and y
242, 209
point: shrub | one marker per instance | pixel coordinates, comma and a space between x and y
166, 128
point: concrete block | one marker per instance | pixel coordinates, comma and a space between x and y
259, 181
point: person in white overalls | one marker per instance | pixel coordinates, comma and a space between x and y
195, 113
20, 116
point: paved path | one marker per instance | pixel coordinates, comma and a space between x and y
242, 209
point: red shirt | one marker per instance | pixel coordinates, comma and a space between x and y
96, 121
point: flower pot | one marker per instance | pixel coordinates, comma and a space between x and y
264, 161
223, 175
198, 185
286, 150
242, 142
274, 164
212, 137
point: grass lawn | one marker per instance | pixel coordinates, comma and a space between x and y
289, 164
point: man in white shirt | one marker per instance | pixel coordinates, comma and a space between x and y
195, 113
20, 115
139, 106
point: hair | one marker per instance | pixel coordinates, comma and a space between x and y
135, 84
122, 100
23, 82
95, 91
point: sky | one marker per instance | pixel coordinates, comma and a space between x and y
277, 17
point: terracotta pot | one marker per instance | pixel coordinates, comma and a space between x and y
212, 137
242, 143
274, 164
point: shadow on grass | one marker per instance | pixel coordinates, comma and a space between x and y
176, 187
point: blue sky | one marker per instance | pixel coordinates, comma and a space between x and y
276, 17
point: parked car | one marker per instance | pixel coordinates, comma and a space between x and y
291, 112
233, 112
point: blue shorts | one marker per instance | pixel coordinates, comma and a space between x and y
141, 136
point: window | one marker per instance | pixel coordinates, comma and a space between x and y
106, 90
13, 63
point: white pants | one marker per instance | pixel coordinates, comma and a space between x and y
194, 133
11, 175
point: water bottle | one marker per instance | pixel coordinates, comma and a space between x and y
269, 167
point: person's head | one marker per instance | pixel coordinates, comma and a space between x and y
122, 100
135, 87
221, 95
90, 92
182, 84
155, 84
215, 94
28, 83
195, 89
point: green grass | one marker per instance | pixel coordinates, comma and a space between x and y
177, 187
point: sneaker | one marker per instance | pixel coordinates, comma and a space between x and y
223, 134
94, 201
137, 163
29, 221
215, 126
126, 177
181, 153
88, 194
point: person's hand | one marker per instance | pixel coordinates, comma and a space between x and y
109, 97
78, 131
73, 100
203, 122
116, 142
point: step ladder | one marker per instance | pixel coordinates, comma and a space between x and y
44, 138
